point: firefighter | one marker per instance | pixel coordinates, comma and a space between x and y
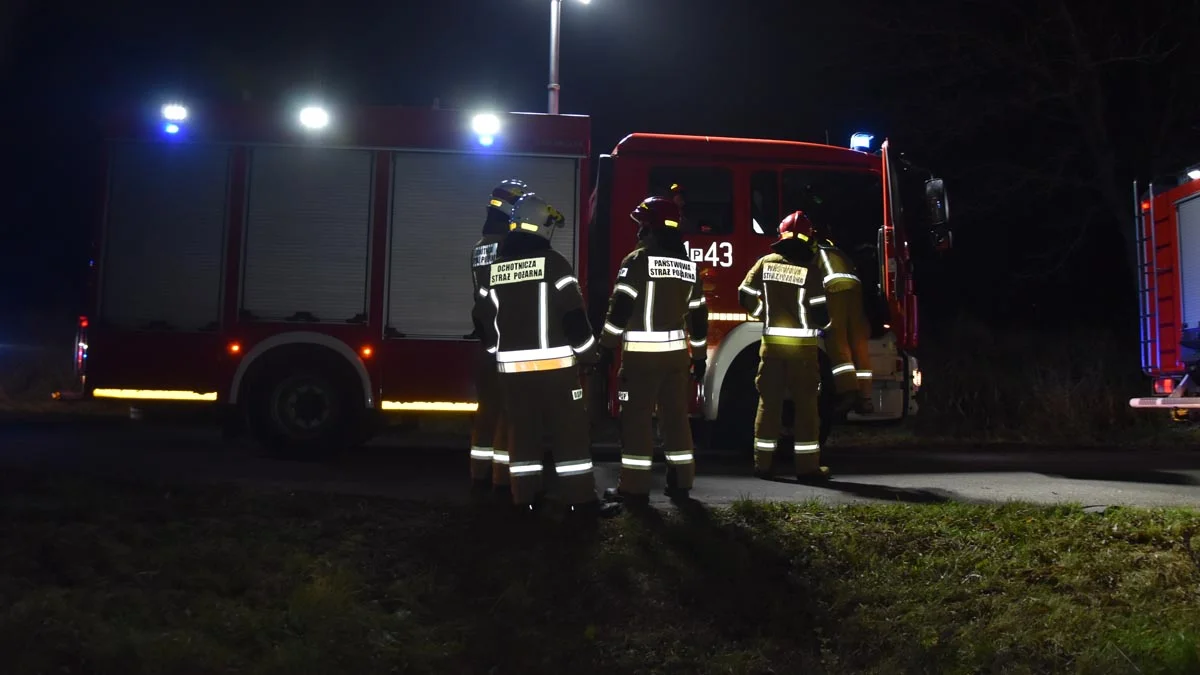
531, 310
779, 289
657, 310
848, 333
489, 447
686, 224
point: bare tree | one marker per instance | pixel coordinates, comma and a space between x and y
1098, 92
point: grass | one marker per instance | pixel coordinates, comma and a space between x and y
106, 577
1037, 387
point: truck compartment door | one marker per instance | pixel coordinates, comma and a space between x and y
163, 237
308, 224
439, 203
1188, 219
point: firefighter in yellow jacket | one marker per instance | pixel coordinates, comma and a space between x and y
657, 310
848, 335
531, 309
489, 442
779, 289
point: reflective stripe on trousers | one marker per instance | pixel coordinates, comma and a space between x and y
654, 341
637, 462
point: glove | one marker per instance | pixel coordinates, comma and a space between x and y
845, 402
588, 357
596, 358
604, 357
698, 369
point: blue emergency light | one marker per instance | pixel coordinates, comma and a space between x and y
174, 114
861, 141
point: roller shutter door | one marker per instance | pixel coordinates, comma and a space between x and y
307, 234
164, 236
1189, 260
439, 204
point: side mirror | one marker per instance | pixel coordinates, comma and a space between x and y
937, 202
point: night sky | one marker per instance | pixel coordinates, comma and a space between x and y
1038, 114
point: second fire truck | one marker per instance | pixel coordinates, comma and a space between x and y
308, 272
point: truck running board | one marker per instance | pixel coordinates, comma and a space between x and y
1166, 402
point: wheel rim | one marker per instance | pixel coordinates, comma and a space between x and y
302, 406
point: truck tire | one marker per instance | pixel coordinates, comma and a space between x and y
827, 401
734, 427
307, 412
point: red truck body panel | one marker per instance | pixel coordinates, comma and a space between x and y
401, 369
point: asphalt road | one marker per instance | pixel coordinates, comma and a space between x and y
426, 466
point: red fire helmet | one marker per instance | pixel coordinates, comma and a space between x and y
796, 226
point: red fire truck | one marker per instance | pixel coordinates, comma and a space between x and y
1167, 230
308, 273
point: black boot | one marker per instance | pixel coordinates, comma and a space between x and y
816, 477
673, 490
615, 495
594, 509
502, 493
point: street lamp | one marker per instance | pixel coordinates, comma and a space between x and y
555, 23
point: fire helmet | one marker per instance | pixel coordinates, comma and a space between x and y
535, 215
656, 213
796, 226
506, 194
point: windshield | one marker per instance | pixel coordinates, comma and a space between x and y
848, 204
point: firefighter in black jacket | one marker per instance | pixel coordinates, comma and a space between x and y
531, 309
780, 289
489, 442
657, 310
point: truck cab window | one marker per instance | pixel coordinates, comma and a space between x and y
705, 196
849, 205
764, 203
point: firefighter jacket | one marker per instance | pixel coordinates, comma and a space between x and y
837, 270
780, 291
531, 309
486, 251
657, 304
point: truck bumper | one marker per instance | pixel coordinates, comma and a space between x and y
1165, 402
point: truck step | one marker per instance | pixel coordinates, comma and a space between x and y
1165, 402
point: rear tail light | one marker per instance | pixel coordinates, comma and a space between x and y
1164, 386
81, 351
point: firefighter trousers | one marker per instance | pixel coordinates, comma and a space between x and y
798, 372
847, 342
489, 430
649, 379
540, 401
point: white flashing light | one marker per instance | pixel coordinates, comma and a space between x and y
861, 141
1194, 174
585, 2
314, 117
171, 128
174, 112
486, 126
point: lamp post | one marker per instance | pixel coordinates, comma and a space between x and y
555, 30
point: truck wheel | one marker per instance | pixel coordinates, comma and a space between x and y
734, 427
826, 401
306, 413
